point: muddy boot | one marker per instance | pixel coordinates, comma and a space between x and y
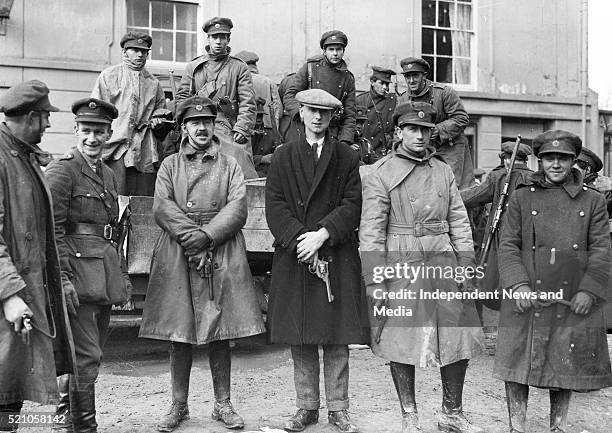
63, 420
451, 418
83, 406
178, 412
181, 358
559, 405
403, 379
5, 411
517, 395
224, 411
220, 360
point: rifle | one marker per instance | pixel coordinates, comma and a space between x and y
501, 205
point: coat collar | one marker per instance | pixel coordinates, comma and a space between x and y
42, 158
402, 165
189, 151
573, 186
86, 168
428, 86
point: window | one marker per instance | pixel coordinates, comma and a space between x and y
447, 34
172, 25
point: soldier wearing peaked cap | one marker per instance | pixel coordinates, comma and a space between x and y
360, 143
32, 354
590, 165
451, 118
412, 213
313, 199
555, 238
89, 238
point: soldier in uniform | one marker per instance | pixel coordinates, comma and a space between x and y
200, 286
380, 105
133, 152
31, 295
86, 215
590, 165
555, 238
450, 119
327, 71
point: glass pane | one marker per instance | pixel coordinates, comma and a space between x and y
444, 43
462, 71
138, 13
443, 14
444, 70
186, 46
162, 46
430, 60
186, 17
429, 12
462, 46
162, 15
427, 42
463, 17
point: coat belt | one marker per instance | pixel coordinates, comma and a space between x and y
201, 218
106, 231
419, 229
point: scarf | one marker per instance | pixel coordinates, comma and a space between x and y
130, 64
217, 57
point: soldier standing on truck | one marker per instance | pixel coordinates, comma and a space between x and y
200, 286
86, 212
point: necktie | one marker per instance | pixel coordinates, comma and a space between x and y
315, 152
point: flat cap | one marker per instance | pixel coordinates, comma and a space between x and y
414, 64
361, 112
195, 106
333, 37
25, 97
479, 172
557, 141
382, 74
139, 40
248, 57
218, 25
414, 113
94, 110
589, 157
523, 150
318, 98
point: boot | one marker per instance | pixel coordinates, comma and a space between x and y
83, 406
181, 358
341, 420
220, 360
224, 412
63, 420
517, 395
5, 411
178, 412
559, 405
302, 419
451, 419
403, 379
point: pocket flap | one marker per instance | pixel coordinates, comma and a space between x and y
91, 247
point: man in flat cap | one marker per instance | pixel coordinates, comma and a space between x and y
31, 292
88, 233
380, 105
327, 71
133, 151
555, 238
313, 200
412, 214
450, 120
200, 286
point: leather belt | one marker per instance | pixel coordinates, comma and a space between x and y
106, 231
201, 218
419, 229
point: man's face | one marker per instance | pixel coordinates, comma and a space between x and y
137, 56
218, 43
38, 121
415, 81
315, 120
200, 131
334, 53
415, 138
380, 87
556, 166
91, 137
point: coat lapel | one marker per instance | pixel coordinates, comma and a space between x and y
329, 150
303, 165
87, 170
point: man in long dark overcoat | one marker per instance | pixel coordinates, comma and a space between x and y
313, 203
555, 238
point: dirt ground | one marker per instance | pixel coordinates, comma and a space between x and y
133, 392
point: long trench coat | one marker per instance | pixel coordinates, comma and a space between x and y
555, 239
302, 197
412, 213
213, 199
28, 373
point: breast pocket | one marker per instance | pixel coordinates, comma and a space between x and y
87, 263
87, 206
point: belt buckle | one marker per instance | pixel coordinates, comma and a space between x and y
418, 229
108, 232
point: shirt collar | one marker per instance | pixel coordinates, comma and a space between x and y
189, 151
319, 142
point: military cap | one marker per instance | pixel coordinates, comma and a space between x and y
557, 141
247, 57
589, 157
414, 64
333, 37
318, 98
94, 110
25, 97
382, 74
195, 106
218, 25
414, 113
523, 151
139, 40
361, 113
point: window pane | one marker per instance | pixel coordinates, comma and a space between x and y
444, 43
462, 46
186, 17
430, 60
162, 15
462, 71
162, 46
443, 14
186, 46
463, 18
429, 12
444, 70
138, 13
427, 42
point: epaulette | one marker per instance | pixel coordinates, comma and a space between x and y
67, 156
315, 58
197, 57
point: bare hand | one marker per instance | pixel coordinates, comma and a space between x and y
266, 159
72, 299
194, 241
435, 134
355, 147
156, 122
310, 243
239, 138
523, 304
14, 309
582, 303
198, 259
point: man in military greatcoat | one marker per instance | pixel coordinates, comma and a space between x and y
554, 256
86, 212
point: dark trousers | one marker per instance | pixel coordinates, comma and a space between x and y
130, 181
89, 330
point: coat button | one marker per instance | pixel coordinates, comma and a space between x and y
534, 212
538, 281
189, 204
29, 236
559, 316
214, 203
572, 345
532, 189
14, 153
581, 213
78, 255
575, 246
339, 85
412, 199
318, 82
565, 283
300, 203
584, 188
533, 247
536, 314
88, 195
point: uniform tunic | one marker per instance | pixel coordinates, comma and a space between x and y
379, 126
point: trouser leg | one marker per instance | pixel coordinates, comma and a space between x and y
306, 375
517, 395
453, 377
403, 379
181, 359
220, 359
63, 420
559, 405
336, 374
8, 412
